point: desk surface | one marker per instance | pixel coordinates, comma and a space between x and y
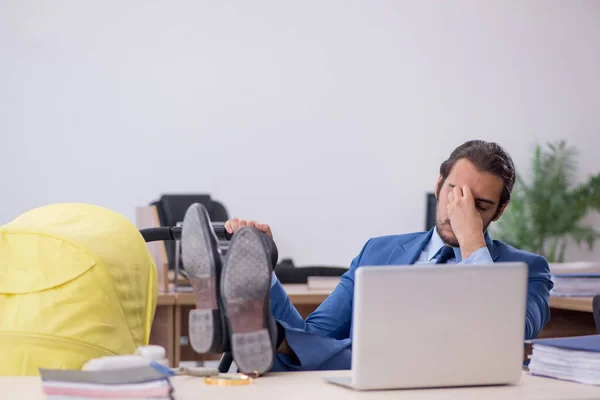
298, 293
572, 303
310, 385
301, 294
165, 299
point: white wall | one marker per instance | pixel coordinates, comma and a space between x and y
327, 119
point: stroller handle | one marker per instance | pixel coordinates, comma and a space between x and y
174, 233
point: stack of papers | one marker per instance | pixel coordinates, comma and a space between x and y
576, 285
135, 383
574, 359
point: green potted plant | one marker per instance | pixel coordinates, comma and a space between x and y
547, 210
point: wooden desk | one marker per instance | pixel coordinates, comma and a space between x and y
171, 323
299, 294
162, 332
572, 303
310, 385
569, 316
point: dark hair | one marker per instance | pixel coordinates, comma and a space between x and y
487, 157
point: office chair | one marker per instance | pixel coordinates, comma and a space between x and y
171, 209
596, 311
430, 206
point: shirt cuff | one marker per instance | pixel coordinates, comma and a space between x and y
479, 256
273, 279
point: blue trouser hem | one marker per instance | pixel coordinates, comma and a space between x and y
313, 352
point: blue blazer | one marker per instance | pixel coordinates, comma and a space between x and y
333, 318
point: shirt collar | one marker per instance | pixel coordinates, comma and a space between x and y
435, 245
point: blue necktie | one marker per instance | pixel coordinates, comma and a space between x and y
446, 254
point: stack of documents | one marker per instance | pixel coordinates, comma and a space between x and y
575, 279
574, 359
576, 285
134, 383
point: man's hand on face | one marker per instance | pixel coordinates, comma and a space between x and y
465, 220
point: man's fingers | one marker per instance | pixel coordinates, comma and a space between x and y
457, 193
234, 225
467, 192
266, 229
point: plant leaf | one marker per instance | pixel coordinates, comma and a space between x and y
547, 209
585, 234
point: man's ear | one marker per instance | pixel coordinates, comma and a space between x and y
500, 211
437, 186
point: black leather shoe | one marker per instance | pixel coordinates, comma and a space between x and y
202, 261
245, 290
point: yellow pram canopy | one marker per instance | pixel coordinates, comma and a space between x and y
76, 282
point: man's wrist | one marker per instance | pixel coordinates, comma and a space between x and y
471, 244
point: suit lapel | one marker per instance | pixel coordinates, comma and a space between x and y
407, 253
490, 245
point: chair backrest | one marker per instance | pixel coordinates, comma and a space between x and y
596, 311
171, 210
430, 205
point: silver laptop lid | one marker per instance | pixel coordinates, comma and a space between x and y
438, 325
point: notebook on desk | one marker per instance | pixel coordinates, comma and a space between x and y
135, 382
573, 358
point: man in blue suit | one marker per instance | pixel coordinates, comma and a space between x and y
266, 332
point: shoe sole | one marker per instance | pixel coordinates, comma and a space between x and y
201, 256
245, 293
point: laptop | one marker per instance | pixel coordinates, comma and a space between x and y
442, 325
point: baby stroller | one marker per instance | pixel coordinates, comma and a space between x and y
77, 282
